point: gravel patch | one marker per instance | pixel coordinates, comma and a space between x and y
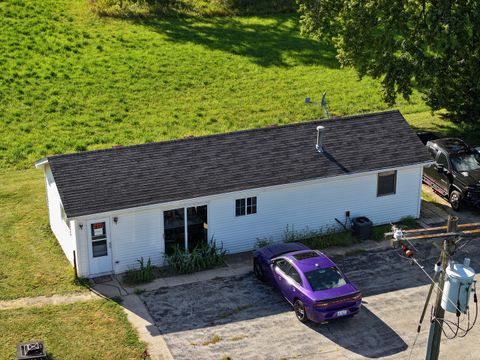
246, 319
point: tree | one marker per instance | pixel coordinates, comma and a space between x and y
430, 45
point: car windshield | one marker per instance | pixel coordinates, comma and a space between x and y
466, 162
324, 279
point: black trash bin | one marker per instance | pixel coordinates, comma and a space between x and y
362, 227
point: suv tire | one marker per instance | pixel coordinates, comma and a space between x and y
456, 200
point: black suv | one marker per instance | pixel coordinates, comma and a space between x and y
455, 173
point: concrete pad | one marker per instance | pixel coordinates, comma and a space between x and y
141, 320
245, 319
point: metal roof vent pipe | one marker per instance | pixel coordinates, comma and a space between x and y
320, 136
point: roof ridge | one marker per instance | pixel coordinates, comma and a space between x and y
228, 133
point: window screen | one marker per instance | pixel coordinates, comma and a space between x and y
387, 182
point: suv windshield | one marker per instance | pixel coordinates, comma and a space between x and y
324, 279
465, 162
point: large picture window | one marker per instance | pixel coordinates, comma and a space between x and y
387, 183
246, 206
185, 228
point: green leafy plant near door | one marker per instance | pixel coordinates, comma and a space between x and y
202, 257
141, 275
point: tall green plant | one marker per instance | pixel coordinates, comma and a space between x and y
203, 256
141, 275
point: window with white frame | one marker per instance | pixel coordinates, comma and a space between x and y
387, 183
246, 206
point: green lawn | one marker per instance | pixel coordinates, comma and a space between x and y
93, 330
70, 81
31, 261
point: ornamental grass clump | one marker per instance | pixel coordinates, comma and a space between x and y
143, 274
202, 257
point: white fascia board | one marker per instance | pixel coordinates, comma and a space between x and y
41, 163
240, 193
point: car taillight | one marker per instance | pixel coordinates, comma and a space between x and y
356, 297
326, 303
321, 305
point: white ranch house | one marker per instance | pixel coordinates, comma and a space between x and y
117, 205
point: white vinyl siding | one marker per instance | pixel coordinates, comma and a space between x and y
313, 206
61, 227
139, 232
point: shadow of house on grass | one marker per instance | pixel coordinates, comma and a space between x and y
266, 41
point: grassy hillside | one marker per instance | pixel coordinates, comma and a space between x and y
70, 81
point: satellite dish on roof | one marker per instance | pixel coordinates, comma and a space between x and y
323, 103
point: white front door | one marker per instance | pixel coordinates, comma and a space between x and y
99, 246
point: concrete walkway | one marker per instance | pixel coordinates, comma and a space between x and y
236, 264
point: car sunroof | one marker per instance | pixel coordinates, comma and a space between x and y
305, 255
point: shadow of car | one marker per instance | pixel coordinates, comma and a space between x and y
310, 281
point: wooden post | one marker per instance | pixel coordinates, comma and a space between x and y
75, 265
435, 334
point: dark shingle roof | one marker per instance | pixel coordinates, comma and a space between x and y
125, 177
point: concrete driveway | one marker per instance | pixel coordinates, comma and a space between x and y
245, 319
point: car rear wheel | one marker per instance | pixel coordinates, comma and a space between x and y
300, 312
257, 270
456, 200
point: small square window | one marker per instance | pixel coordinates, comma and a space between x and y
239, 207
387, 183
246, 206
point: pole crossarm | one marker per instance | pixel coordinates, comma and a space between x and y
464, 230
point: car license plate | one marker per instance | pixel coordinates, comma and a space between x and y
342, 312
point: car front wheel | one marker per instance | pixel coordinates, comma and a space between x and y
300, 312
257, 270
456, 200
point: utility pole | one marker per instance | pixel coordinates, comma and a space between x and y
449, 233
435, 334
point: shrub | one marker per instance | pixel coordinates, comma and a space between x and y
202, 257
141, 275
261, 242
319, 238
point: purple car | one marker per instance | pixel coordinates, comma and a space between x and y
309, 280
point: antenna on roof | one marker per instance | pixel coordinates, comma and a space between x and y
322, 104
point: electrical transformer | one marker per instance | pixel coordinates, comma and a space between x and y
458, 285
